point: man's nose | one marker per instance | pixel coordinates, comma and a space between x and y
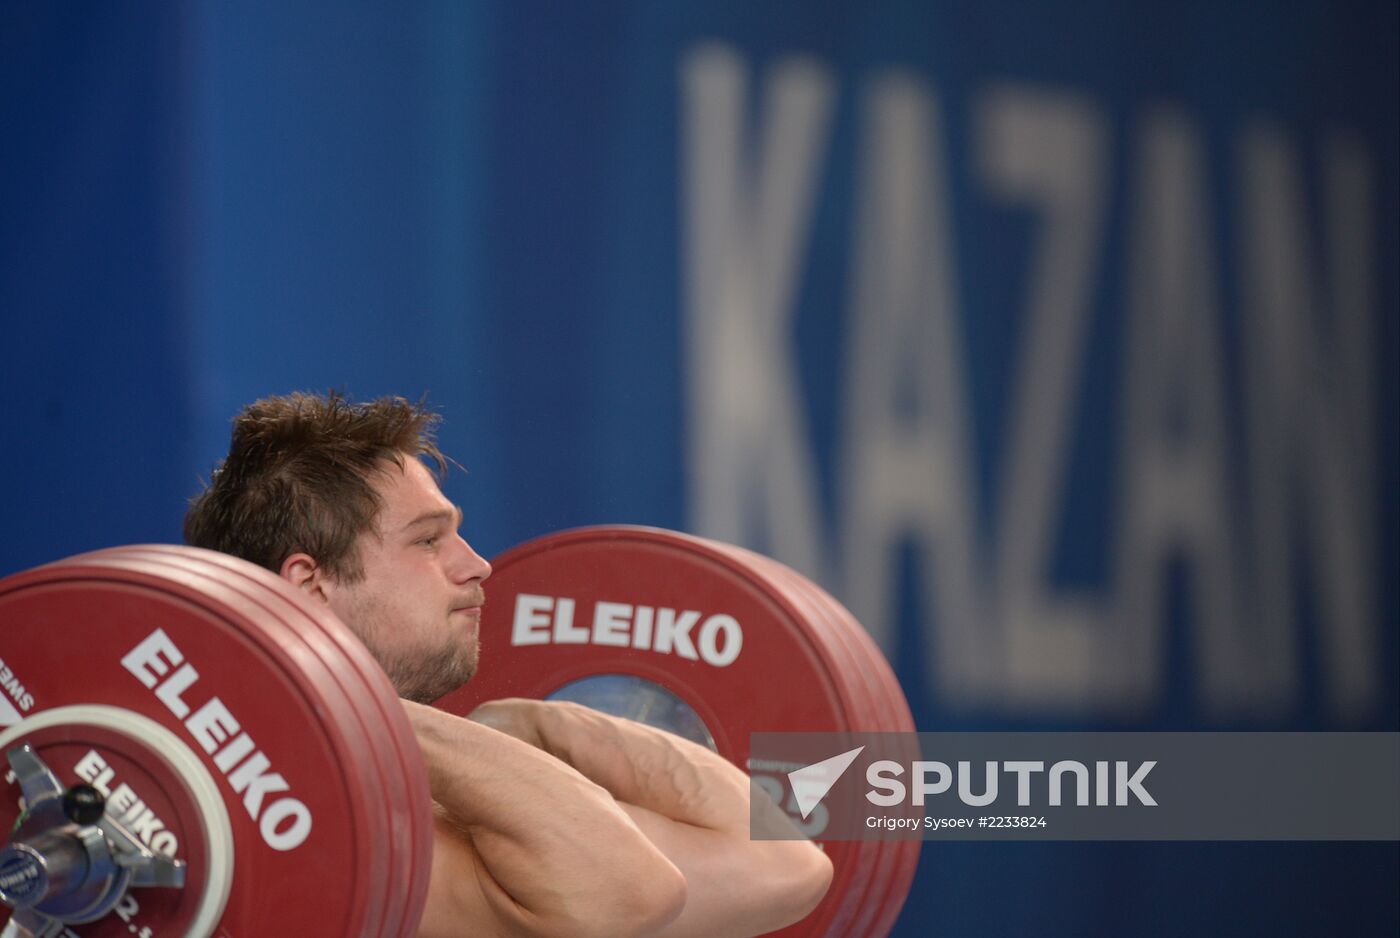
468, 564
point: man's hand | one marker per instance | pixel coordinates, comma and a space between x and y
514, 717
692, 804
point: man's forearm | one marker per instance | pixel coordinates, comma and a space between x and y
538, 825
694, 805
637, 764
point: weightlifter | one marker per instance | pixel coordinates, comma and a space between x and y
551, 819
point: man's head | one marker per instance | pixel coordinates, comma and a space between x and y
336, 498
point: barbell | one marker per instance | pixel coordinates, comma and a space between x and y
196, 748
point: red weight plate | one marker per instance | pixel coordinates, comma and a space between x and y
867, 856
788, 583
881, 857
387, 733
894, 860
883, 675
338, 687
66, 631
873, 906
412, 817
660, 576
137, 769
900, 883
905, 851
339, 718
606, 600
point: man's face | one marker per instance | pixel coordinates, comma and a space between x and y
418, 606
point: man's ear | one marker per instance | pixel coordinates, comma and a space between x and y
301, 571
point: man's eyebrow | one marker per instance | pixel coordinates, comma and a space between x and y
441, 514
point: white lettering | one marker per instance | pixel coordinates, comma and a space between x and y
906, 469
296, 831
1133, 783
748, 205
923, 787
152, 658
641, 627
1023, 772
1176, 501
965, 785
565, 632
883, 775
233, 753
610, 621
718, 640
211, 724
710, 631
172, 687
121, 800
142, 822
673, 632
531, 623
125, 805
1081, 778
252, 776
90, 766
1048, 153
1310, 398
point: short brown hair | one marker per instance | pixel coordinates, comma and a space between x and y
298, 478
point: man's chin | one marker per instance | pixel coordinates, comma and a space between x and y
430, 684
466, 676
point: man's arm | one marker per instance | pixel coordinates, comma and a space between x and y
526, 846
691, 803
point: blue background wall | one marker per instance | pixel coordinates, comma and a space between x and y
488, 203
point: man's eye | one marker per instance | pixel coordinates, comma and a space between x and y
429, 541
